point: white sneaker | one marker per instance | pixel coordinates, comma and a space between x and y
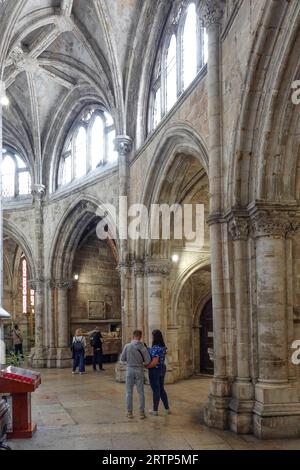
153, 413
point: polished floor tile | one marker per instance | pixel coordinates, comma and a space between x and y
88, 413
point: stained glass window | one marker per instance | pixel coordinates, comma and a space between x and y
24, 285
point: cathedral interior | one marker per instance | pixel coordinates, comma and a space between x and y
170, 103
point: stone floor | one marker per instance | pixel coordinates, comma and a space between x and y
87, 412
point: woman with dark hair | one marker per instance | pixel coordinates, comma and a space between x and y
157, 372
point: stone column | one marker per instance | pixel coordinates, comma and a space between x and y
216, 413
120, 369
52, 353
63, 333
241, 404
277, 401
139, 282
156, 271
123, 145
122, 273
3, 314
38, 353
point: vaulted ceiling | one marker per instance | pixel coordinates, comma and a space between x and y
57, 55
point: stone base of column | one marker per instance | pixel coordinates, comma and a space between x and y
120, 372
241, 408
276, 411
215, 413
51, 358
37, 358
63, 358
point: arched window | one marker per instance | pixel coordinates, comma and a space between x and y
181, 56
28, 295
189, 44
171, 74
16, 180
89, 145
97, 142
80, 152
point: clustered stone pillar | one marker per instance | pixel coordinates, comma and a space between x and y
139, 283
63, 334
156, 271
241, 404
277, 401
123, 145
38, 355
51, 355
216, 411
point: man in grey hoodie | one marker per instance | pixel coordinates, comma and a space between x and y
136, 355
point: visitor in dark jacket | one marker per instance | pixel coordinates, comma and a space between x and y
157, 374
96, 343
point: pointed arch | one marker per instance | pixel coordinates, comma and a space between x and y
70, 229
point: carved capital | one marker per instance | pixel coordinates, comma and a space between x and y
215, 218
123, 144
294, 228
62, 284
38, 191
211, 12
139, 269
121, 268
37, 285
271, 224
239, 228
157, 267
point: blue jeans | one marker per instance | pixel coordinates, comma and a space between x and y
157, 382
135, 376
79, 361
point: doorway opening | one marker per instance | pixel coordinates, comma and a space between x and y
206, 339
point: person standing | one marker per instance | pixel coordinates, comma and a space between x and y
157, 374
17, 341
78, 349
135, 354
96, 343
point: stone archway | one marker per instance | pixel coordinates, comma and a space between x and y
178, 176
73, 233
18, 298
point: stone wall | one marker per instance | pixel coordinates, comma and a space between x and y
98, 282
